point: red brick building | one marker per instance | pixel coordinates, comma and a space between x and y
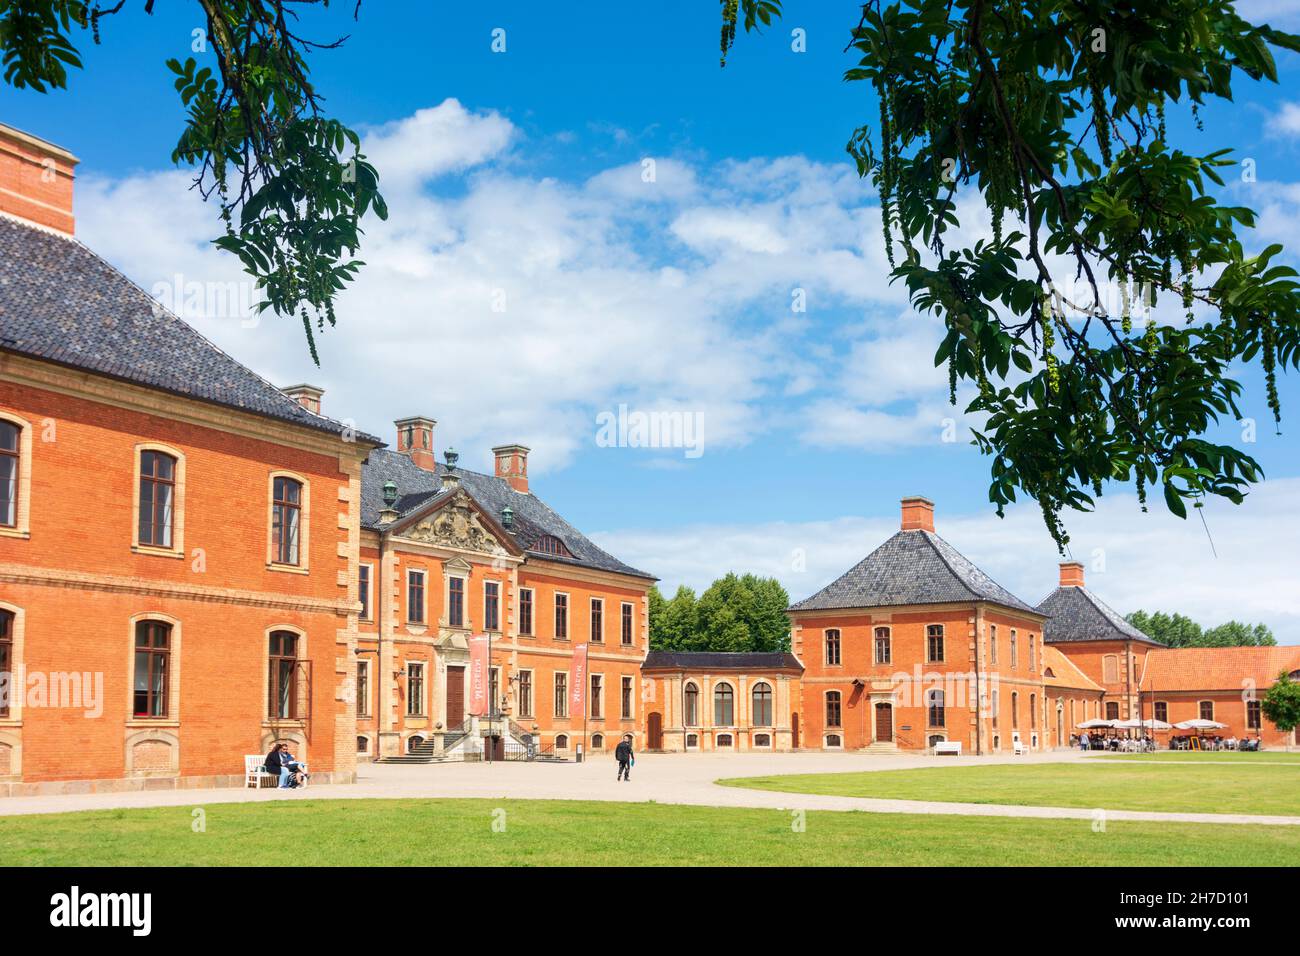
178, 538
447, 553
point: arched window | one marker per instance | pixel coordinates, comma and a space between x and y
724, 740
934, 643
934, 740
363, 744
834, 740
9, 460
832, 708
597, 741
286, 510
1015, 649
562, 742
761, 713
6, 657
724, 706
283, 690
1015, 710
413, 743
1207, 710
152, 656
884, 652
762, 740
692, 741
934, 709
157, 498
1033, 711
833, 646
691, 706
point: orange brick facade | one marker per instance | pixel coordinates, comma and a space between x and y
77, 581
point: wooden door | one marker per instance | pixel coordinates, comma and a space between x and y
794, 731
498, 745
455, 698
655, 731
884, 723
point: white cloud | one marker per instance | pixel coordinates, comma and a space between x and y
515, 308
1152, 561
1285, 122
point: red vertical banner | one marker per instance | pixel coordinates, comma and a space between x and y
478, 675
578, 682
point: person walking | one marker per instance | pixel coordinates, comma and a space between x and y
1083, 741
623, 754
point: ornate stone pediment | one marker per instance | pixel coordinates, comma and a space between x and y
455, 525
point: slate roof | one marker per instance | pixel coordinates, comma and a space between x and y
533, 518
1065, 673
720, 661
62, 303
1076, 614
912, 567
1216, 668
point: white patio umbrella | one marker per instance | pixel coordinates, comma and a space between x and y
1199, 724
1148, 724
1094, 724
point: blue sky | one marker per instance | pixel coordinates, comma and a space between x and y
519, 174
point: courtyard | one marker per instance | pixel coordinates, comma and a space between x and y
701, 809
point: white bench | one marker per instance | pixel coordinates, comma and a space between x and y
1018, 746
255, 775
948, 748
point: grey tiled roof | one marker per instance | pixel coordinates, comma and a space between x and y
533, 518
62, 303
721, 661
1076, 614
912, 567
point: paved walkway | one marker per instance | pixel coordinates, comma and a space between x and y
662, 778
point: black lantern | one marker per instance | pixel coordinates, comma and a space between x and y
390, 492
507, 517
452, 456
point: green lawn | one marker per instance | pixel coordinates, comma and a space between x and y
1222, 756
1110, 784
563, 833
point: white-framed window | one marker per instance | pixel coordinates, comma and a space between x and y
363, 688
159, 500
417, 598
832, 640
597, 620
561, 616
526, 608
16, 475
627, 626
365, 589
288, 522
457, 587
415, 689
492, 605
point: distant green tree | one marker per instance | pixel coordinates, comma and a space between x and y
1177, 630
738, 612
1238, 634
1281, 703
675, 626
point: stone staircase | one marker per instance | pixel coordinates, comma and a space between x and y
424, 753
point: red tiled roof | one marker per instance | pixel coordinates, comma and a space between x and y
1064, 672
1216, 668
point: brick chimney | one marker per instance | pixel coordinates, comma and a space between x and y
36, 180
308, 396
512, 465
1071, 574
918, 514
415, 438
